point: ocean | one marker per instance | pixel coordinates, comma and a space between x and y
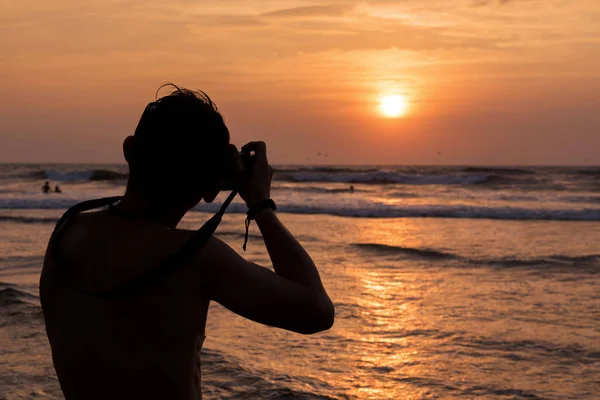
448, 282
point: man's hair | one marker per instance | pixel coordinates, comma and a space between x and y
177, 133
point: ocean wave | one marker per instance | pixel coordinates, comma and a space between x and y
449, 211
85, 175
590, 263
316, 189
316, 174
26, 203
557, 260
383, 177
537, 197
107, 175
494, 391
539, 349
362, 210
500, 170
499, 180
580, 199
9, 295
538, 177
64, 174
383, 249
28, 220
591, 171
23, 173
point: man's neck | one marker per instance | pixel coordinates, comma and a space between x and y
135, 204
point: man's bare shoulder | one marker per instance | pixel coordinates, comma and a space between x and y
110, 250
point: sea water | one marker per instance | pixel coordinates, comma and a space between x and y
448, 282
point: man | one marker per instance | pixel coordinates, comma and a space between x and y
146, 344
46, 188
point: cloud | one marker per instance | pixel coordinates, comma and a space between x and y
227, 21
329, 10
182, 37
479, 3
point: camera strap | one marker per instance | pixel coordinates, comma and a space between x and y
195, 243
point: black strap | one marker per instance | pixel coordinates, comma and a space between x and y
195, 243
85, 206
251, 215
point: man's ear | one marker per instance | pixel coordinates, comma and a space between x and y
129, 149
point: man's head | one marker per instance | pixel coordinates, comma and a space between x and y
179, 150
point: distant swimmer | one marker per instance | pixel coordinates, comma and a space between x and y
57, 189
46, 187
351, 188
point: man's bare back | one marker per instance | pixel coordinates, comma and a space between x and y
144, 346
147, 344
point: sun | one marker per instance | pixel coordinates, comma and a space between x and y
393, 106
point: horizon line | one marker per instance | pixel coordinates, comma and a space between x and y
335, 165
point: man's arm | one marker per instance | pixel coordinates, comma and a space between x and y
294, 300
293, 297
289, 258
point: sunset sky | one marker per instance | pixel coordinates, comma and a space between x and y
485, 82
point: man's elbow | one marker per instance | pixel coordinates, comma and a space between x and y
322, 319
327, 319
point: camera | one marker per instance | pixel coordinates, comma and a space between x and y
233, 178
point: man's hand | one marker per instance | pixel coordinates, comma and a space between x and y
258, 187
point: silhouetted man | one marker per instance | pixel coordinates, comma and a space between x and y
46, 187
144, 343
57, 189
